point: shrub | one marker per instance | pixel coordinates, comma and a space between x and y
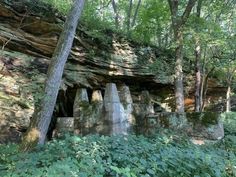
120, 156
229, 120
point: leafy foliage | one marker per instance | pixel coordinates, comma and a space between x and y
62, 6
229, 120
120, 156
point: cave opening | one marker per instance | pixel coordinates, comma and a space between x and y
63, 108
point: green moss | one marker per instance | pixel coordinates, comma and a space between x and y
84, 105
204, 118
3, 96
23, 104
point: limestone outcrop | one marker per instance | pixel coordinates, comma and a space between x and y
28, 37
205, 125
100, 115
118, 114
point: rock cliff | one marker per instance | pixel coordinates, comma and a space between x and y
28, 36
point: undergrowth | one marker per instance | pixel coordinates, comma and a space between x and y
62, 6
130, 156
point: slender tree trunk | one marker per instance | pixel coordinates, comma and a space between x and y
37, 131
114, 5
197, 75
205, 87
202, 79
129, 16
230, 76
136, 13
228, 98
204, 92
197, 105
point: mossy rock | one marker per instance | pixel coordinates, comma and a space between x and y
204, 118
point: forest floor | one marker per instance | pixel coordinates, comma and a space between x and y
165, 154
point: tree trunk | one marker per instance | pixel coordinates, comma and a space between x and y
197, 105
129, 16
197, 75
202, 78
37, 131
228, 105
136, 14
179, 89
229, 77
204, 88
116, 13
178, 22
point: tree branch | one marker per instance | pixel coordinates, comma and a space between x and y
136, 13
187, 11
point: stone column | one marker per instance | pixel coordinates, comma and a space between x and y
80, 109
114, 110
81, 98
127, 102
97, 96
146, 102
142, 109
97, 107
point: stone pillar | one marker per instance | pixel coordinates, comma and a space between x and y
114, 110
127, 102
142, 109
80, 109
97, 107
97, 96
146, 102
81, 98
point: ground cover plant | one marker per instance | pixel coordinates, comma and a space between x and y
130, 156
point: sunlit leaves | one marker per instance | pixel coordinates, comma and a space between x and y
121, 156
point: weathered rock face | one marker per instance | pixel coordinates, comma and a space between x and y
113, 116
104, 116
81, 98
205, 125
94, 61
16, 99
127, 102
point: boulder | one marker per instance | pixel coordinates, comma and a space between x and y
206, 125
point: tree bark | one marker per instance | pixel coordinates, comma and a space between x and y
136, 13
129, 12
116, 13
197, 104
229, 77
202, 78
197, 75
228, 105
178, 23
204, 88
38, 128
179, 89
